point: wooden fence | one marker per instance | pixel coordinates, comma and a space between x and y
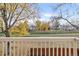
39, 46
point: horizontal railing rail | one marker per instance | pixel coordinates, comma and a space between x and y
39, 46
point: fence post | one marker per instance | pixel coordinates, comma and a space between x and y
45, 47
41, 47
10, 48
49, 47
57, 48
14, 48
53, 47
18, 48
3, 48
65, 48
75, 47
61, 48
37, 48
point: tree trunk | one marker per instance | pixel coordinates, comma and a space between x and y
4, 16
8, 43
7, 34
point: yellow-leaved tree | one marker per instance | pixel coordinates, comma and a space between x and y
44, 27
21, 30
13, 12
1, 25
10, 15
24, 29
38, 25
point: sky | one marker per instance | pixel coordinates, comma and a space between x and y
48, 9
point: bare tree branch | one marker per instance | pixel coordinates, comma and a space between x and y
25, 17
61, 17
12, 14
16, 18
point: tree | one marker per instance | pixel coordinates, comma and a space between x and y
7, 13
38, 23
21, 30
58, 7
44, 27
67, 19
11, 13
1, 26
55, 22
24, 29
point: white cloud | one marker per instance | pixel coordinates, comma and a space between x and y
47, 15
44, 19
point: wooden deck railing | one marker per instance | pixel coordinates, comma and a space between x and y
39, 46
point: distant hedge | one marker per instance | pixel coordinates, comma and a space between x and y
53, 32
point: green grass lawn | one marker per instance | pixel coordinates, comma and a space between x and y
55, 33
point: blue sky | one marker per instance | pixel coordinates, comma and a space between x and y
48, 9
